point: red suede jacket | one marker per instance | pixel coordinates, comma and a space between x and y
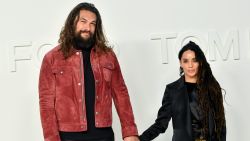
61, 94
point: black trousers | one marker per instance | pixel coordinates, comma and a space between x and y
104, 139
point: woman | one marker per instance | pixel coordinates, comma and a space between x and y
194, 102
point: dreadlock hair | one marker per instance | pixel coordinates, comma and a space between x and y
209, 91
67, 33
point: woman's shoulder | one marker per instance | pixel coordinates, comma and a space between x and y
176, 84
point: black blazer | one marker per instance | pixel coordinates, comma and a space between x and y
175, 105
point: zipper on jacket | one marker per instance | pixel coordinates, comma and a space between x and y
91, 58
82, 80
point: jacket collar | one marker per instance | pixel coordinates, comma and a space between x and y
181, 82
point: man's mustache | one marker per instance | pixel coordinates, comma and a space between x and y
85, 31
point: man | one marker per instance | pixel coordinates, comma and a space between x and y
78, 80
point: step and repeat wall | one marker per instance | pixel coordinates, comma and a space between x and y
146, 36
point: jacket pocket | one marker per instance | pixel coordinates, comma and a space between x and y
63, 76
107, 69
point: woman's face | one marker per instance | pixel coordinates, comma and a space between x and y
189, 65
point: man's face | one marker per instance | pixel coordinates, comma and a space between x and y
85, 26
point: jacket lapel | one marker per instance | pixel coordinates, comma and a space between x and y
183, 98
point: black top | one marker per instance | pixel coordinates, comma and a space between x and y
89, 85
196, 114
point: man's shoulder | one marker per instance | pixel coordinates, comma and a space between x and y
109, 54
53, 54
53, 51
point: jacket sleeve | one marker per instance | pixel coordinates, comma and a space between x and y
47, 101
122, 102
162, 120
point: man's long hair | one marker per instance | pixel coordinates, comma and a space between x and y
210, 97
67, 34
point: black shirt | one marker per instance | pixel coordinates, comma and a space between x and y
196, 114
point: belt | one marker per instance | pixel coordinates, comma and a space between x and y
200, 140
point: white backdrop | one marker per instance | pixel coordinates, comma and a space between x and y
146, 36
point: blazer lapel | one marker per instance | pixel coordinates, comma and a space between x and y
183, 96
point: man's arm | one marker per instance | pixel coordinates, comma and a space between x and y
47, 102
131, 138
122, 103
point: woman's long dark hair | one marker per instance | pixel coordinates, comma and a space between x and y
68, 31
209, 91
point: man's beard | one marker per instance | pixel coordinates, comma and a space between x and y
81, 43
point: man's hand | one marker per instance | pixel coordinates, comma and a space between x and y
131, 138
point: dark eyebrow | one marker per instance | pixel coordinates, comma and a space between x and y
94, 22
184, 59
187, 58
82, 18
